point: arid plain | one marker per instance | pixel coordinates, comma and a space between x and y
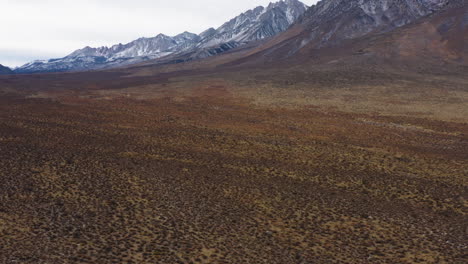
306, 165
342, 139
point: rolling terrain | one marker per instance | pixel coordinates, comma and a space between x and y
353, 150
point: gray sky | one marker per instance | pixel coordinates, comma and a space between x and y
43, 29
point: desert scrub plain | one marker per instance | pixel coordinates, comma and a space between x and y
214, 170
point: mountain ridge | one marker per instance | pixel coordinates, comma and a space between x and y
333, 23
252, 25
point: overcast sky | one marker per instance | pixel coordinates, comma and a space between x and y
43, 29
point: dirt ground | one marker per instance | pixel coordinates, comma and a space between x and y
233, 170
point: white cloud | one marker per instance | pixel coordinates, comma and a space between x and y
32, 29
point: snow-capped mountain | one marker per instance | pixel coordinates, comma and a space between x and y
118, 55
141, 47
255, 24
331, 21
259, 23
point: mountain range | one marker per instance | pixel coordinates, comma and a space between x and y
331, 24
356, 33
429, 30
253, 25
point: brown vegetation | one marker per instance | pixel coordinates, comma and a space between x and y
196, 173
355, 154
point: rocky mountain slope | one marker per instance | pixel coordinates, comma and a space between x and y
259, 23
332, 23
440, 38
256, 24
385, 34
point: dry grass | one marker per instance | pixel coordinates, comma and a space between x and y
203, 176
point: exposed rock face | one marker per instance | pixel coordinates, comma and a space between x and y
435, 39
117, 55
255, 24
259, 23
331, 21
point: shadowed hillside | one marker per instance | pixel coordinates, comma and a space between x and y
5, 70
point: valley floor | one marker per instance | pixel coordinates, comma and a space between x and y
104, 177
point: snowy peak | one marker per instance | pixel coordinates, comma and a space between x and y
207, 33
292, 8
255, 24
186, 36
186, 40
117, 55
140, 47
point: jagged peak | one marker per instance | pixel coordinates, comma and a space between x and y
160, 35
186, 35
251, 23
